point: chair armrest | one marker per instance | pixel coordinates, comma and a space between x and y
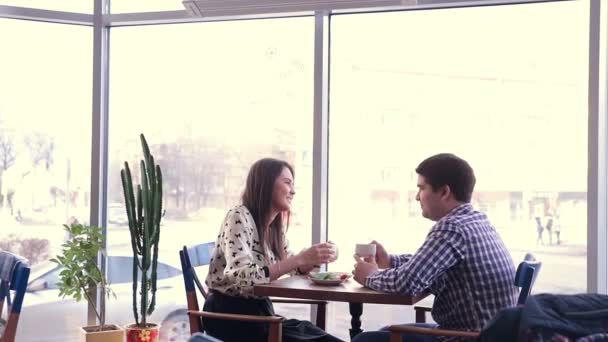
298, 301
396, 329
236, 317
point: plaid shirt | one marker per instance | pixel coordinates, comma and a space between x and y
464, 263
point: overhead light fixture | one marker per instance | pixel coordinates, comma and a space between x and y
262, 8
220, 8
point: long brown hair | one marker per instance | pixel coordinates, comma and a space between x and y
257, 197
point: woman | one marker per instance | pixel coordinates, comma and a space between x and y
251, 248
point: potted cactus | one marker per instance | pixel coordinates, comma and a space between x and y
144, 212
80, 278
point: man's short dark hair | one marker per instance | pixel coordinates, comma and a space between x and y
448, 169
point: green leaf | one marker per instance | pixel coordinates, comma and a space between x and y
78, 258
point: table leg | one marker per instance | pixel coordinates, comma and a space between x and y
356, 310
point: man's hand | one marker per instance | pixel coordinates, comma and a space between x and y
362, 269
382, 258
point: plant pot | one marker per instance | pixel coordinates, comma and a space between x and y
111, 333
139, 334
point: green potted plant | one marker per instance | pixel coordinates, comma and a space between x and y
81, 278
144, 212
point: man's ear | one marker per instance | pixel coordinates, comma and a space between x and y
446, 192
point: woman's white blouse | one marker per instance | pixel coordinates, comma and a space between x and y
237, 261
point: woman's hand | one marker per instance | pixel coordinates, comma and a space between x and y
320, 253
382, 258
336, 252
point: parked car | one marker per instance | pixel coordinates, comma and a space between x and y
47, 317
117, 214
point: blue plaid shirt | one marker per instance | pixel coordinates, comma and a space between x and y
464, 263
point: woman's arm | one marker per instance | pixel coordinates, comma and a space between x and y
243, 265
307, 268
306, 260
285, 266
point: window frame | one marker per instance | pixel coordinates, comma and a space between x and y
102, 21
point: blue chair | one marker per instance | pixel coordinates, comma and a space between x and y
14, 275
201, 255
525, 276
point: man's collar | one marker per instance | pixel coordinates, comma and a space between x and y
461, 208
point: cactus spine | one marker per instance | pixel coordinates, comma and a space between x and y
144, 212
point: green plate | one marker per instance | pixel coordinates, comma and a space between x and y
329, 278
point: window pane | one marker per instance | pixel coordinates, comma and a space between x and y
45, 147
119, 270
52, 279
128, 6
510, 99
78, 6
211, 99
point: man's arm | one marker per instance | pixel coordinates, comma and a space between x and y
441, 250
398, 260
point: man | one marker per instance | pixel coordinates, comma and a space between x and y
462, 261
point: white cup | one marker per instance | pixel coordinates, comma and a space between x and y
336, 250
365, 249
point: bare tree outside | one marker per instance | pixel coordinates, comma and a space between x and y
41, 148
8, 155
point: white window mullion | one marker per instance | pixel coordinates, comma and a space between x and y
99, 134
320, 134
597, 192
320, 129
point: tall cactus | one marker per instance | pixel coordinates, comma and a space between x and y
144, 215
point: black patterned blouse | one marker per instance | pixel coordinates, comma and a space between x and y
237, 262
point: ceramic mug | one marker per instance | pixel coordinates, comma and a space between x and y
365, 250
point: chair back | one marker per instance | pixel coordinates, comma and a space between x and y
12, 292
201, 256
526, 274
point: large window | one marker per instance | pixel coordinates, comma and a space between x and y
45, 148
510, 99
211, 99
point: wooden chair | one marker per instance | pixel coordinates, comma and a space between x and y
526, 274
17, 286
201, 256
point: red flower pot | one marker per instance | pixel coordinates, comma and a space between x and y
139, 334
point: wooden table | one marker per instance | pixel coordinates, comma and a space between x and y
349, 291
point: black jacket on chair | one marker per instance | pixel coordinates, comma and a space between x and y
546, 315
